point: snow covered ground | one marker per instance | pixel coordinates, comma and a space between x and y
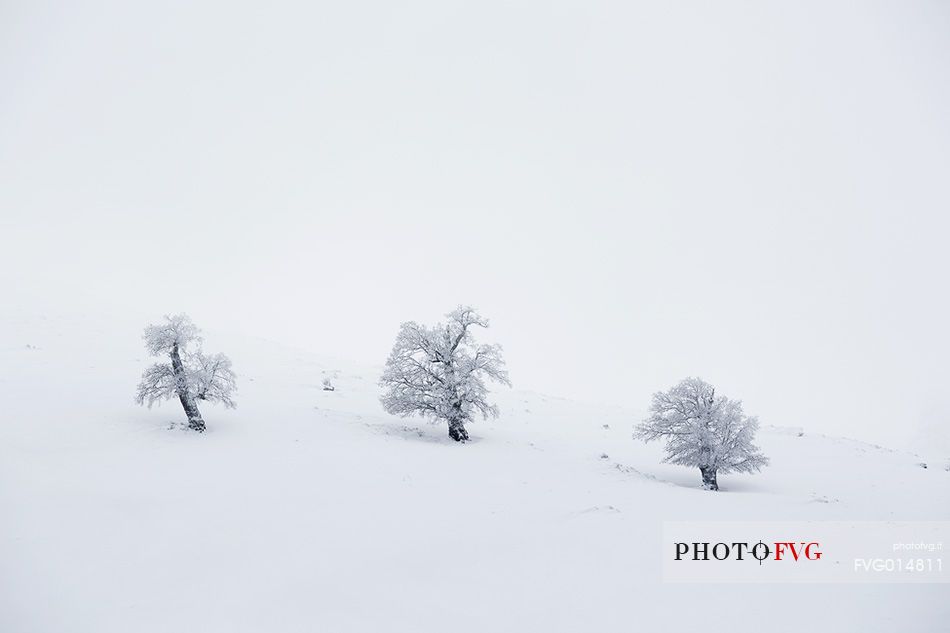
309, 510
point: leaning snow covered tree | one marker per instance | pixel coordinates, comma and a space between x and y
703, 430
440, 372
189, 375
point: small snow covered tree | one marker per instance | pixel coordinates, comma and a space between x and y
704, 430
440, 372
190, 375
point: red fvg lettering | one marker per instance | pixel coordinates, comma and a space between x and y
796, 550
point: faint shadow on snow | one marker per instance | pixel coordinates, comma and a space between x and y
794, 431
390, 427
413, 433
630, 470
150, 425
593, 510
689, 481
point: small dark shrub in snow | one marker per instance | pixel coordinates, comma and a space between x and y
439, 372
703, 430
189, 375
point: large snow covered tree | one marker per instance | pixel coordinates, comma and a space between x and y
190, 375
703, 430
439, 372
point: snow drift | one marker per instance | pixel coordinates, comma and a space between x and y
312, 510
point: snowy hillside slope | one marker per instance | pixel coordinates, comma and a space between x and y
310, 510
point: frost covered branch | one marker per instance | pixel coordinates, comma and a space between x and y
440, 372
703, 430
189, 375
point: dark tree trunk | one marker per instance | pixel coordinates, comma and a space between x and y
457, 423
457, 430
195, 422
709, 478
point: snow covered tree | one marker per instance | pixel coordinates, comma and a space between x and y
704, 430
440, 372
190, 375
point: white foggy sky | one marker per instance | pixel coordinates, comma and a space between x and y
755, 193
